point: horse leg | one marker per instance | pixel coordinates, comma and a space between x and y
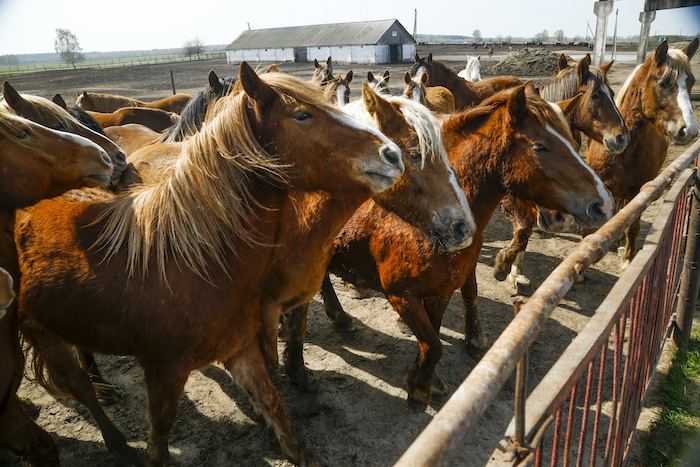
508, 265
420, 376
165, 386
25, 438
268, 339
435, 307
332, 305
248, 371
631, 234
107, 394
293, 357
66, 375
473, 334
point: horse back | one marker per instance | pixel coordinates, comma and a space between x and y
173, 104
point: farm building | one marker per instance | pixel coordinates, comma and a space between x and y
385, 41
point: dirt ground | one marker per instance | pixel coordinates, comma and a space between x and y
359, 416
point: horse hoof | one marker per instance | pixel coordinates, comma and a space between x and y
500, 274
439, 388
418, 400
343, 322
625, 264
304, 381
478, 343
621, 251
106, 393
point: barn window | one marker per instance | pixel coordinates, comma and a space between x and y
394, 33
340, 46
265, 50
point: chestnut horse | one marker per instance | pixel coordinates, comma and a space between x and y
337, 90
655, 103
100, 102
514, 142
381, 84
46, 113
323, 72
436, 98
589, 107
465, 94
35, 163
155, 119
185, 255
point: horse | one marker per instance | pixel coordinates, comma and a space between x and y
323, 72
427, 197
155, 119
380, 85
436, 98
588, 104
513, 142
100, 102
46, 113
183, 255
472, 70
132, 137
338, 89
655, 103
194, 112
36, 162
465, 94
79, 114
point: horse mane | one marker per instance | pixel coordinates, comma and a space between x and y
46, 106
418, 117
205, 204
626, 85
194, 113
545, 113
112, 99
565, 84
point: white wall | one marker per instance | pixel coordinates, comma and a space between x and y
319, 53
408, 52
260, 55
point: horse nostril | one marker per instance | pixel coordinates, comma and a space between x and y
120, 157
595, 210
460, 230
682, 133
621, 139
391, 155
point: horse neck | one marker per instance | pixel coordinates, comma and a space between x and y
632, 107
462, 90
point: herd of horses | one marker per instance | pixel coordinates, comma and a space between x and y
193, 230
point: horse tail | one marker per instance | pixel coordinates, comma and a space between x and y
38, 371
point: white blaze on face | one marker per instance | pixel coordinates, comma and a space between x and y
603, 192
683, 98
340, 95
418, 94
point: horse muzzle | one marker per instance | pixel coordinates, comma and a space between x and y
453, 230
617, 143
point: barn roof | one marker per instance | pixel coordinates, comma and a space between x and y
357, 33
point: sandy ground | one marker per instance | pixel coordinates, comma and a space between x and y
359, 416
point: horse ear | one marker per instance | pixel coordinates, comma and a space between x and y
328, 61
430, 57
253, 85
661, 53
530, 87
691, 48
606, 67
588, 59
424, 79
58, 100
370, 76
349, 76
416, 58
386, 75
12, 97
478, 57
582, 71
214, 82
562, 62
517, 104
316, 65
380, 109
569, 105
407, 78
272, 69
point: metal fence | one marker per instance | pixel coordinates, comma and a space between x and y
586, 408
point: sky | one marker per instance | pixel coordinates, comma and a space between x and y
28, 26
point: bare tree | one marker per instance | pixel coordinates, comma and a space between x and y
67, 46
509, 39
559, 35
477, 35
194, 47
542, 36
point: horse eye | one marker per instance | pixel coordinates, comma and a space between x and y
301, 115
596, 95
667, 84
416, 157
538, 147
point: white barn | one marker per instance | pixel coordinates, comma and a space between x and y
384, 41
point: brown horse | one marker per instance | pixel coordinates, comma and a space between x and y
465, 94
380, 85
588, 104
427, 196
132, 136
48, 114
155, 119
107, 103
338, 89
436, 98
323, 72
184, 256
655, 103
35, 163
513, 142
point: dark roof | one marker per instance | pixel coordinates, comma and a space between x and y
357, 33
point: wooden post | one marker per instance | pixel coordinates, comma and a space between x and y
690, 281
172, 82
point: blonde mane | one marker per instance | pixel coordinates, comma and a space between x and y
205, 205
101, 100
626, 85
565, 84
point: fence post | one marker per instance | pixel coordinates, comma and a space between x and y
690, 281
172, 81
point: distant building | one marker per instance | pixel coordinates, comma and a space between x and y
385, 41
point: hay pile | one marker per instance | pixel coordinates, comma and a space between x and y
526, 62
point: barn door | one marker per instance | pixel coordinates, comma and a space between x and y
395, 53
300, 54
